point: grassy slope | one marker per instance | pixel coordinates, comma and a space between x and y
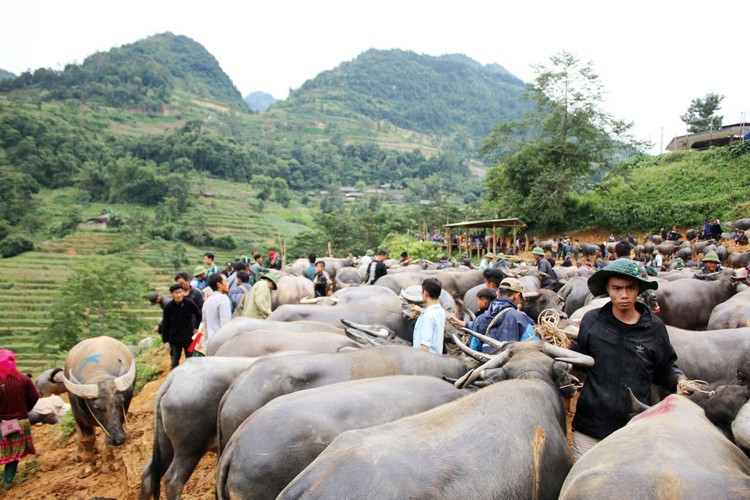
676, 188
31, 280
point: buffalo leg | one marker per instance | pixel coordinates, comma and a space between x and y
87, 446
178, 474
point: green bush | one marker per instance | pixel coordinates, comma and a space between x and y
15, 244
65, 428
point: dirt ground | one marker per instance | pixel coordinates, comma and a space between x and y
59, 473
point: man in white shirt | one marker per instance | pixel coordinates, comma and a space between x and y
217, 310
428, 332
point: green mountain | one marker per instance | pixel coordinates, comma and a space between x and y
259, 101
6, 74
141, 75
450, 95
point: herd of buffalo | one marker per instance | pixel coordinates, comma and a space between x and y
327, 399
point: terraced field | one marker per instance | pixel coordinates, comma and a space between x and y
30, 281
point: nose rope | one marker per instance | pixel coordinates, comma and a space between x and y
97, 421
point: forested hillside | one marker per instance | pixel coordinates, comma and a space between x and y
140, 75
450, 95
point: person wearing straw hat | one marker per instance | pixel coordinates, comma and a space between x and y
711, 264
631, 349
487, 261
257, 302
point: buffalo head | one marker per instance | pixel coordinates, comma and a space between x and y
105, 401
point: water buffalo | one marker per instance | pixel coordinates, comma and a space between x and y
457, 283
737, 260
432, 454
275, 377
348, 276
185, 420
262, 342
574, 293
688, 304
734, 313
669, 451
536, 302
589, 249
279, 440
710, 355
399, 281
382, 309
743, 224
99, 376
291, 289
239, 325
50, 382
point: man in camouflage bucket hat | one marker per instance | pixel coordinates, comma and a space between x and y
711, 264
631, 349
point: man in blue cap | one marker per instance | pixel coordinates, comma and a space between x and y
631, 349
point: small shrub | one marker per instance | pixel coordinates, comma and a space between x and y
15, 244
28, 469
65, 428
145, 372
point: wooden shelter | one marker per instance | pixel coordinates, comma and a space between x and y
483, 224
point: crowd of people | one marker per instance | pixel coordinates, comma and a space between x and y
196, 308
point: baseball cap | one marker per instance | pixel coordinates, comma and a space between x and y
511, 284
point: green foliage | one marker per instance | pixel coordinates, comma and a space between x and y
394, 244
15, 244
65, 428
675, 188
97, 299
417, 92
701, 114
16, 192
140, 75
553, 153
146, 371
71, 217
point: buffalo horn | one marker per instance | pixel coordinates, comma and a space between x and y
125, 382
479, 356
383, 332
636, 407
485, 339
568, 356
358, 337
530, 295
88, 391
496, 361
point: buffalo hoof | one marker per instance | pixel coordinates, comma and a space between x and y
88, 470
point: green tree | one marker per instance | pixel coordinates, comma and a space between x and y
556, 148
701, 114
98, 298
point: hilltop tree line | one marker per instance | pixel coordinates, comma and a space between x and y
141, 75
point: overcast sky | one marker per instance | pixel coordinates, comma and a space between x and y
653, 57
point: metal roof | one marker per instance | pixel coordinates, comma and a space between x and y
488, 223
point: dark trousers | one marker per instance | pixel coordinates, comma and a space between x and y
174, 353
